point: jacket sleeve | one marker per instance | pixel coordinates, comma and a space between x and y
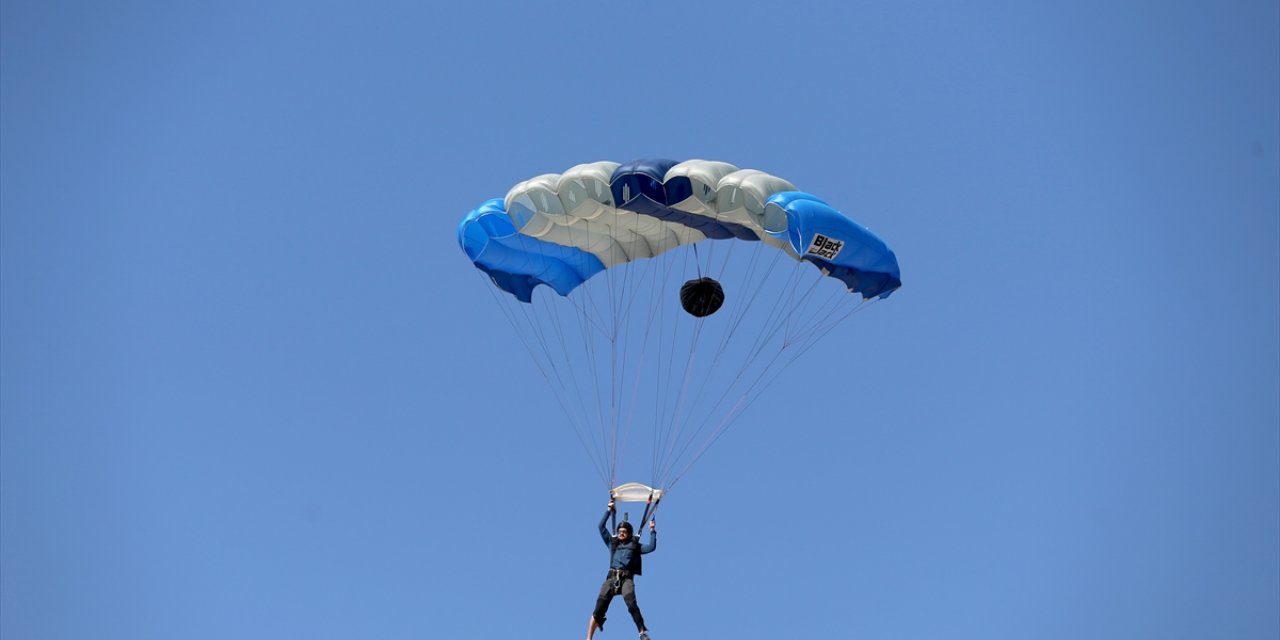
652, 544
604, 529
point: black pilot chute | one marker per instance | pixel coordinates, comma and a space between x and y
701, 297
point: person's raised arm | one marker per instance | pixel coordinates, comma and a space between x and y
604, 525
652, 544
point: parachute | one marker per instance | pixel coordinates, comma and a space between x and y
675, 293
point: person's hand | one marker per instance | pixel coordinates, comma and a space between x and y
652, 524
611, 506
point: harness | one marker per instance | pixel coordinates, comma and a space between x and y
618, 576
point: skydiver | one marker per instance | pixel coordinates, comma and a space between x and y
624, 564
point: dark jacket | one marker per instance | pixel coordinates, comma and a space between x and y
626, 555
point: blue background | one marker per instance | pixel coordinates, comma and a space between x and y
245, 392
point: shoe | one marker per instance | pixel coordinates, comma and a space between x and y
644, 635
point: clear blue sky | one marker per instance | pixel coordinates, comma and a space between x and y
250, 389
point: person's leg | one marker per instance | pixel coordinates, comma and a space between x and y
602, 606
629, 597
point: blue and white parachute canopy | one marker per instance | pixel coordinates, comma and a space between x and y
562, 229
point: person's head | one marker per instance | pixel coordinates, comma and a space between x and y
624, 531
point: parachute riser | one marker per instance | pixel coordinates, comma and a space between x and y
613, 516
649, 507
